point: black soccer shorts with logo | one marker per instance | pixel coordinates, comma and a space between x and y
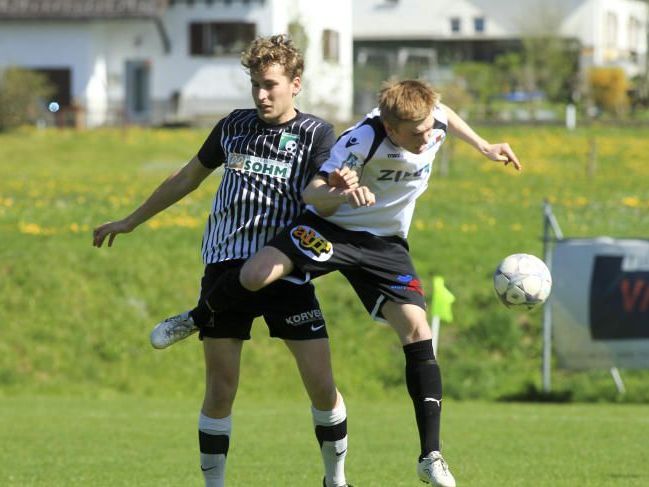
378, 268
291, 311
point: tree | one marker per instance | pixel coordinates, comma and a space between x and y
550, 60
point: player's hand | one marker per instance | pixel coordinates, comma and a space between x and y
110, 230
502, 153
359, 197
343, 178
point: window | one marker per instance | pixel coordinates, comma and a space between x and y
219, 38
60, 81
478, 24
330, 45
634, 29
455, 24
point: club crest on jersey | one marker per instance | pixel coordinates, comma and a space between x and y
258, 165
352, 161
311, 243
288, 142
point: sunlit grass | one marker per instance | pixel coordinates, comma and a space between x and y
75, 316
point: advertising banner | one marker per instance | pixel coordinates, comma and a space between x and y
600, 303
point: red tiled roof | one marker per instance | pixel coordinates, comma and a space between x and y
80, 9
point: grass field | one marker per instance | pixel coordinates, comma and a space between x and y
59, 442
84, 400
76, 317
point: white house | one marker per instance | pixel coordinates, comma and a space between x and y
609, 32
153, 61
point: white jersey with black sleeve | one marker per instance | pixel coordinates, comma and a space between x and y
396, 177
266, 168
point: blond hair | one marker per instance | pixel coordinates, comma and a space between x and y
408, 100
263, 52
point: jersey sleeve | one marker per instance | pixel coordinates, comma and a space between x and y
350, 150
211, 153
323, 141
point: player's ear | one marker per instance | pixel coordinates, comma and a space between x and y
296, 85
388, 128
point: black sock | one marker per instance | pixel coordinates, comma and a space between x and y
225, 294
424, 382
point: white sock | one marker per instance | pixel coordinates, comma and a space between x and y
331, 431
214, 440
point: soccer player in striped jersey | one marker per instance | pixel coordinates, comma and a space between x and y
269, 154
361, 231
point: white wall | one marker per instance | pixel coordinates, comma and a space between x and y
506, 19
328, 85
61, 45
97, 52
114, 43
212, 85
207, 85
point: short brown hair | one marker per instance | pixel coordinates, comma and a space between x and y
263, 52
408, 100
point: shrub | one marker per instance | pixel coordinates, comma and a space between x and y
21, 93
608, 88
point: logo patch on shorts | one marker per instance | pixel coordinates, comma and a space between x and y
306, 317
409, 283
311, 243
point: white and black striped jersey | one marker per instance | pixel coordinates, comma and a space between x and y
266, 167
395, 176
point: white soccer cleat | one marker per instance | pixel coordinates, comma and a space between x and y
433, 469
172, 330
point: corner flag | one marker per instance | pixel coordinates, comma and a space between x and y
441, 308
442, 300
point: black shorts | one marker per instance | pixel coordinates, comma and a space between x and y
378, 268
291, 311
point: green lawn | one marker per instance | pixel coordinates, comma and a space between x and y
85, 401
129, 441
76, 318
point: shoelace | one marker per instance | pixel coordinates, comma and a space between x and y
179, 328
443, 464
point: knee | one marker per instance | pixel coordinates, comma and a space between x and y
416, 332
253, 277
324, 398
221, 383
219, 397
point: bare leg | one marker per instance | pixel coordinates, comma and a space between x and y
222, 363
265, 267
328, 408
408, 321
314, 363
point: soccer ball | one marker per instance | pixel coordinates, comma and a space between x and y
522, 281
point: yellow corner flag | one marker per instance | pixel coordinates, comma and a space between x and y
442, 300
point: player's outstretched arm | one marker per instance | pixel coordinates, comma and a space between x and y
174, 188
500, 152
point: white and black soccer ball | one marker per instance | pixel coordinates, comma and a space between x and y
522, 281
